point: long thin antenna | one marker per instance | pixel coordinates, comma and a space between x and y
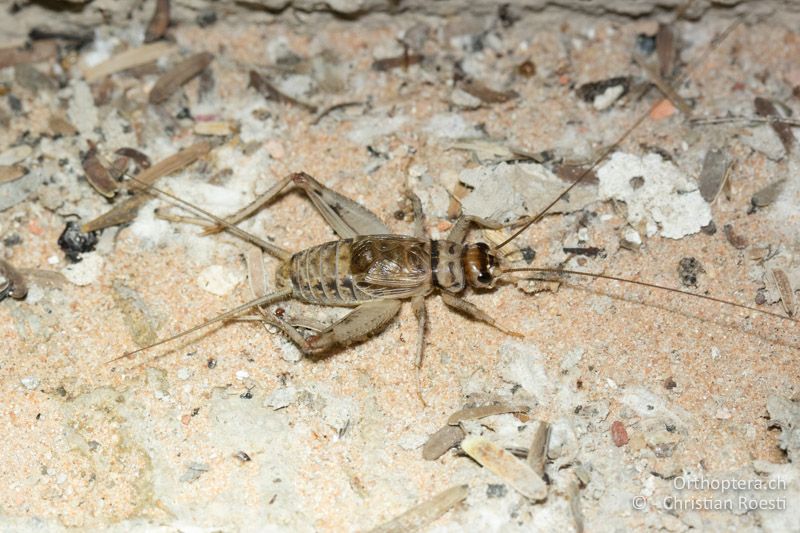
263, 300
651, 286
536, 218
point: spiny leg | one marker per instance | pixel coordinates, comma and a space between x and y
355, 326
347, 218
473, 311
418, 304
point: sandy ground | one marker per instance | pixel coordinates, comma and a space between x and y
335, 443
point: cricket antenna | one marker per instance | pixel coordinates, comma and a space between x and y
648, 285
536, 218
263, 300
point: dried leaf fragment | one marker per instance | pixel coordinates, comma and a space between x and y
665, 50
174, 78
60, 126
217, 127
270, 92
11, 282
716, 170
785, 289
483, 411
389, 63
423, 514
128, 59
9, 173
97, 174
140, 158
159, 23
37, 52
486, 94
513, 471
441, 441
737, 241
537, 453
768, 194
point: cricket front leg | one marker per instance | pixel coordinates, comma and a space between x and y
462, 225
418, 303
474, 312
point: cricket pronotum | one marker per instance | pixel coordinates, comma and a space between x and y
372, 270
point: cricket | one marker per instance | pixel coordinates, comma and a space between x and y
373, 271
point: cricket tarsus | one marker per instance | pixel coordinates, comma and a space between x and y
649, 285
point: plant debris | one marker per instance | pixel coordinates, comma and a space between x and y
12, 282
736, 240
601, 94
785, 289
98, 175
126, 211
174, 78
768, 194
714, 176
665, 50
446, 438
36, 52
9, 173
474, 413
405, 61
486, 94
537, 453
423, 514
270, 92
131, 58
516, 473
141, 159
159, 23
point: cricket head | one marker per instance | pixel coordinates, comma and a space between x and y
481, 265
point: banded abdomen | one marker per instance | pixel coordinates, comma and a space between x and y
354, 271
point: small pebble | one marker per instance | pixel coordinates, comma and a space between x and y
30, 382
619, 434
242, 375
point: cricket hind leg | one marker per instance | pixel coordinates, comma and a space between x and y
474, 312
357, 325
347, 218
418, 304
